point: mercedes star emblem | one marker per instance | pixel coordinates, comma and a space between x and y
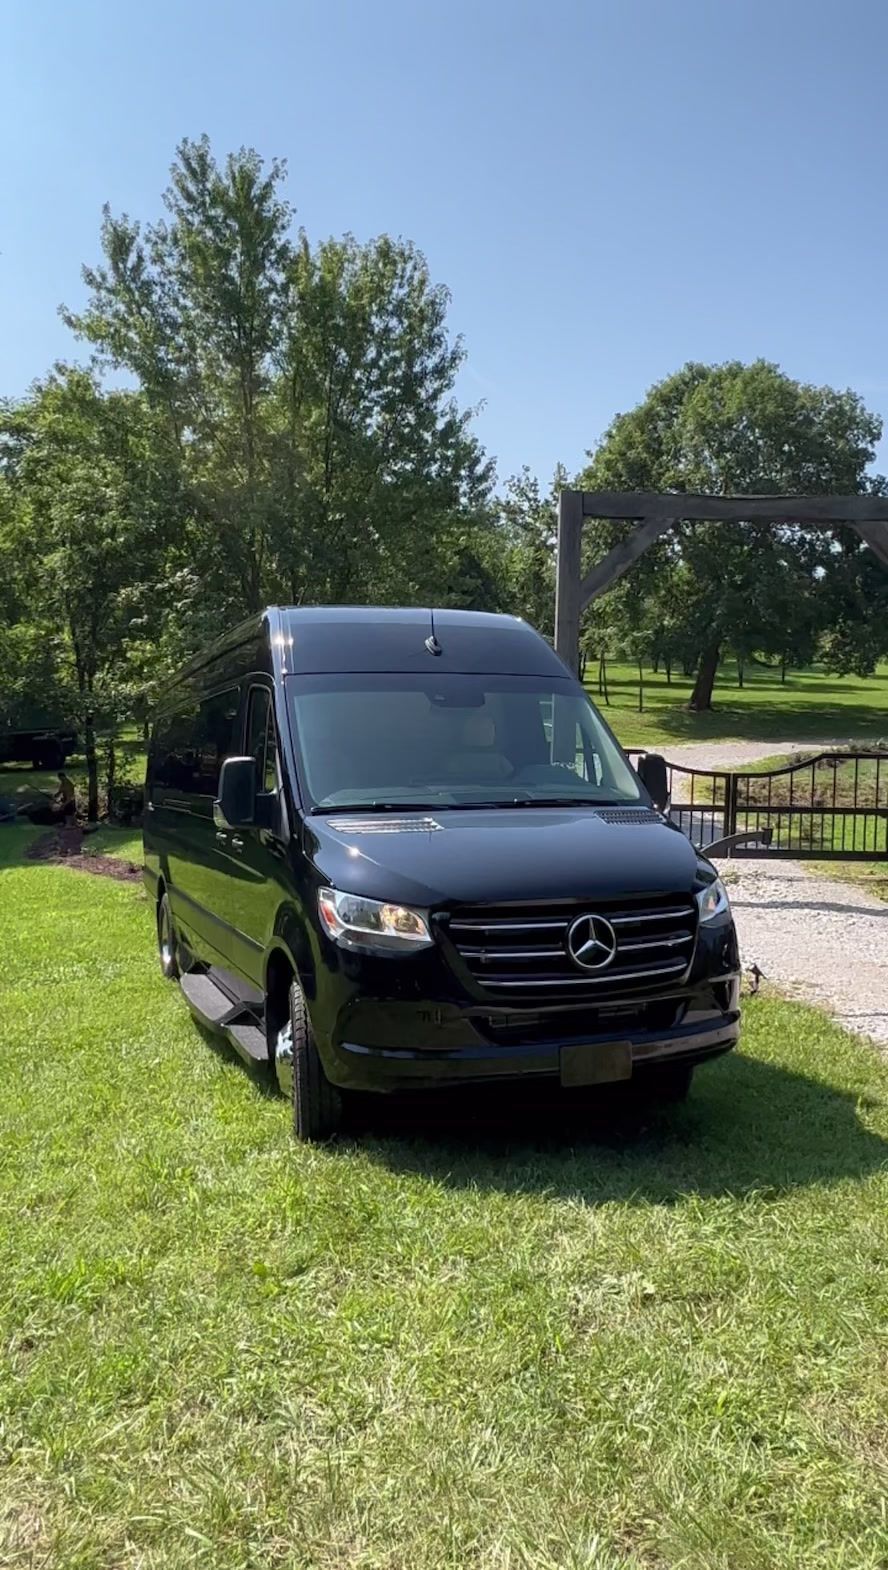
591, 942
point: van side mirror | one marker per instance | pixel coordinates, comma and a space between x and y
654, 775
235, 806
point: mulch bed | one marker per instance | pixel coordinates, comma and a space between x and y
63, 847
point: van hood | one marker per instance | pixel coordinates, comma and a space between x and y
497, 855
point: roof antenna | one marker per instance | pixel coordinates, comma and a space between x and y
431, 642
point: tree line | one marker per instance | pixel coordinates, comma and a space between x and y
262, 418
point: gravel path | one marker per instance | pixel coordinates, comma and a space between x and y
734, 754
816, 938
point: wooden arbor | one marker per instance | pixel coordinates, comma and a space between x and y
654, 512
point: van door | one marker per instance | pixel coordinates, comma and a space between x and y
261, 856
206, 731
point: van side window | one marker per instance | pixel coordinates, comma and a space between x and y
261, 740
173, 757
270, 778
215, 739
257, 731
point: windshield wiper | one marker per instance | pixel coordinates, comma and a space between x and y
378, 806
575, 801
533, 801
468, 806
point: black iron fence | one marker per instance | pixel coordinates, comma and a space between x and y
831, 807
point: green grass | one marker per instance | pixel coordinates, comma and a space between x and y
870, 876
122, 844
635, 1341
811, 706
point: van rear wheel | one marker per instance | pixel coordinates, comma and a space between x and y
317, 1105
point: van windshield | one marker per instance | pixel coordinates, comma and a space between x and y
379, 741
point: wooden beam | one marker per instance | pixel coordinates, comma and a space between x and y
821, 510
612, 566
656, 511
567, 578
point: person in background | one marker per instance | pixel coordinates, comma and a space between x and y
64, 802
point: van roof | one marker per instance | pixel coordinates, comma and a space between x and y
410, 638
316, 639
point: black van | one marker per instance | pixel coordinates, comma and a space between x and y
394, 849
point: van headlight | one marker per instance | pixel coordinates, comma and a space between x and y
713, 901
360, 923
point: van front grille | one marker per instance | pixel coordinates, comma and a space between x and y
524, 954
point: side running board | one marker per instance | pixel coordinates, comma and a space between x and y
215, 1009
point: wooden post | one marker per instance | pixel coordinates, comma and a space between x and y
567, 578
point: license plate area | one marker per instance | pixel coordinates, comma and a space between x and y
595, 1062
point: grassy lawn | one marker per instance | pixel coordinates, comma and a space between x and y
811, 706
615, 1342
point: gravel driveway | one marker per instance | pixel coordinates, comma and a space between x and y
735, 754
816, 938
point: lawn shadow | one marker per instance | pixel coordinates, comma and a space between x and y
748, 1126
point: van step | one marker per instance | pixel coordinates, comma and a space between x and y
249, 1041
207, 1000
216, 1009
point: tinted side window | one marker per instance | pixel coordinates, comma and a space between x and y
173, 749
257, 728
261, 739
270, 779
217, 738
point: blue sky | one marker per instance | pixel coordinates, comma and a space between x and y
608, 188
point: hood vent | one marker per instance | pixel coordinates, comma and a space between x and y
629, 815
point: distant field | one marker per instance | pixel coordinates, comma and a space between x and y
811, 706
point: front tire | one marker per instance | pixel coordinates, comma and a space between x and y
317, 1105
167, 947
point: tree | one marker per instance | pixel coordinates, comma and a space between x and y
732, 429
93, 516
529, 523
307, 391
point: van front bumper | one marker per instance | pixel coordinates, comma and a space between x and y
705, 1030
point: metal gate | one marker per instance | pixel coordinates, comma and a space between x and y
831, 807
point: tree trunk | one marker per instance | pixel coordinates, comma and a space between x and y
668, 665
110, 778
701, 697
602, 679
739, 673
583, 668
655, 666
783, 670
687, 667
92, 766
640, 688
146, 729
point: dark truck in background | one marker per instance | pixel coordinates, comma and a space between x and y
36, 740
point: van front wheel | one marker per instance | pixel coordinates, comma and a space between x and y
167, 947
317, 1105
